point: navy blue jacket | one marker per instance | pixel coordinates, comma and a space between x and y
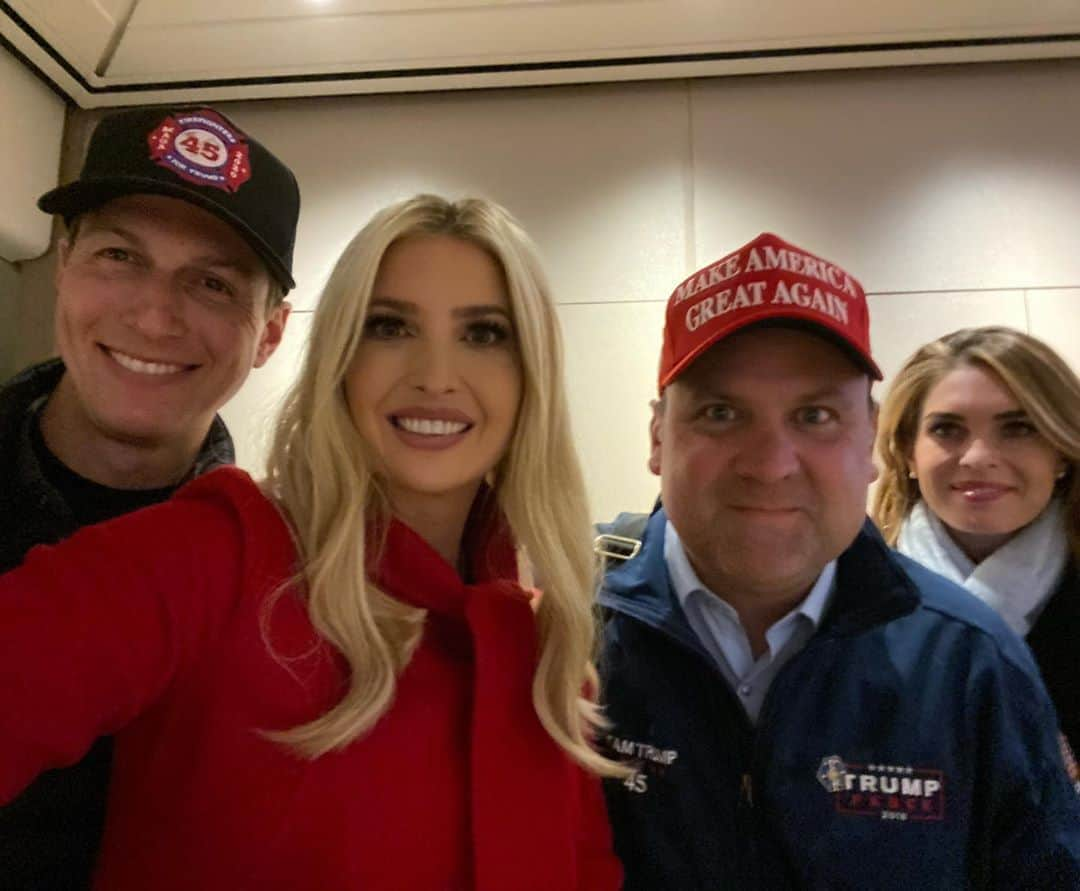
910, 745
1055, 641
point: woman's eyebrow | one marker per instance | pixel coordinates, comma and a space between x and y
1015, 414
402, 306
481, 309
407, 307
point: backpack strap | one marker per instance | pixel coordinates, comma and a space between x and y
620, 540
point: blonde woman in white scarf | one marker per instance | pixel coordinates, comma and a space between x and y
979, 442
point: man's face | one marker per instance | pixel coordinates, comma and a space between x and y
763, 447
161, 312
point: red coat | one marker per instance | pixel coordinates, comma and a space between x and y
154, 628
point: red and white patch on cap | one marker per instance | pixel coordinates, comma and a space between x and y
202, 148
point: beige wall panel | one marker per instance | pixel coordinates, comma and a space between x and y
1054, 316
901, 323
33, 124
251, 413
34, 335
915, 180
597, 175
10, 287
612, 353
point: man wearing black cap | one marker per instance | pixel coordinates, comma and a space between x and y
170, 289
802, 707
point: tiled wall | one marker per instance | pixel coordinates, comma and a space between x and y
952, 193
599, 176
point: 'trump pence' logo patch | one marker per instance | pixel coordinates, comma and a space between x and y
202, 148
885, 791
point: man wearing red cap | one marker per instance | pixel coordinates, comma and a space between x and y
170, 288
803, 708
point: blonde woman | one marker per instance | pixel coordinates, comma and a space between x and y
334, 681
979, 439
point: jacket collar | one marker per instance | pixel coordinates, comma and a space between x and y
640, 588
871, 588
23, 392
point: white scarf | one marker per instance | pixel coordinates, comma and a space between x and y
1016, 580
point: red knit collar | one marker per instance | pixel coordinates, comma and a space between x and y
410, 569
520, 778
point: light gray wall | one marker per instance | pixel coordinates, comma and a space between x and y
34, 333
952, 193
33, 123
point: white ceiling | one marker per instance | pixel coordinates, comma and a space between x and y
116, 52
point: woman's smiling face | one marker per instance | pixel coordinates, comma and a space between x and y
436, 383
982, 467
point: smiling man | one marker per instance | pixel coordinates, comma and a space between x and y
170, 288
804, 708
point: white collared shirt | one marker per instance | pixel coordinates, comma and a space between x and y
721, 632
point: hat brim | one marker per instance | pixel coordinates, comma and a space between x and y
790, 318
87, 194
826, 333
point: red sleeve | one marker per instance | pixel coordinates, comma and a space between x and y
598, 867
93, 630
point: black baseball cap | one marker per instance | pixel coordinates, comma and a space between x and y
197, 155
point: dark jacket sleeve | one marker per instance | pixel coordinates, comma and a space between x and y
1033, 837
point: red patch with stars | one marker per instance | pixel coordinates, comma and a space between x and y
202, 148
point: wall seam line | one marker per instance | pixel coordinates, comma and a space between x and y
691, 180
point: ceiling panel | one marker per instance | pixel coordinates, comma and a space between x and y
78, 29
619, 21
162, 12
197, 49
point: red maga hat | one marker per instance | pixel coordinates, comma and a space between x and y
765, 280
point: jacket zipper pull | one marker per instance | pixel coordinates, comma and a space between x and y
747, 785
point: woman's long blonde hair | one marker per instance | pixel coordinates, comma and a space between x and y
321, 473
1042, 382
